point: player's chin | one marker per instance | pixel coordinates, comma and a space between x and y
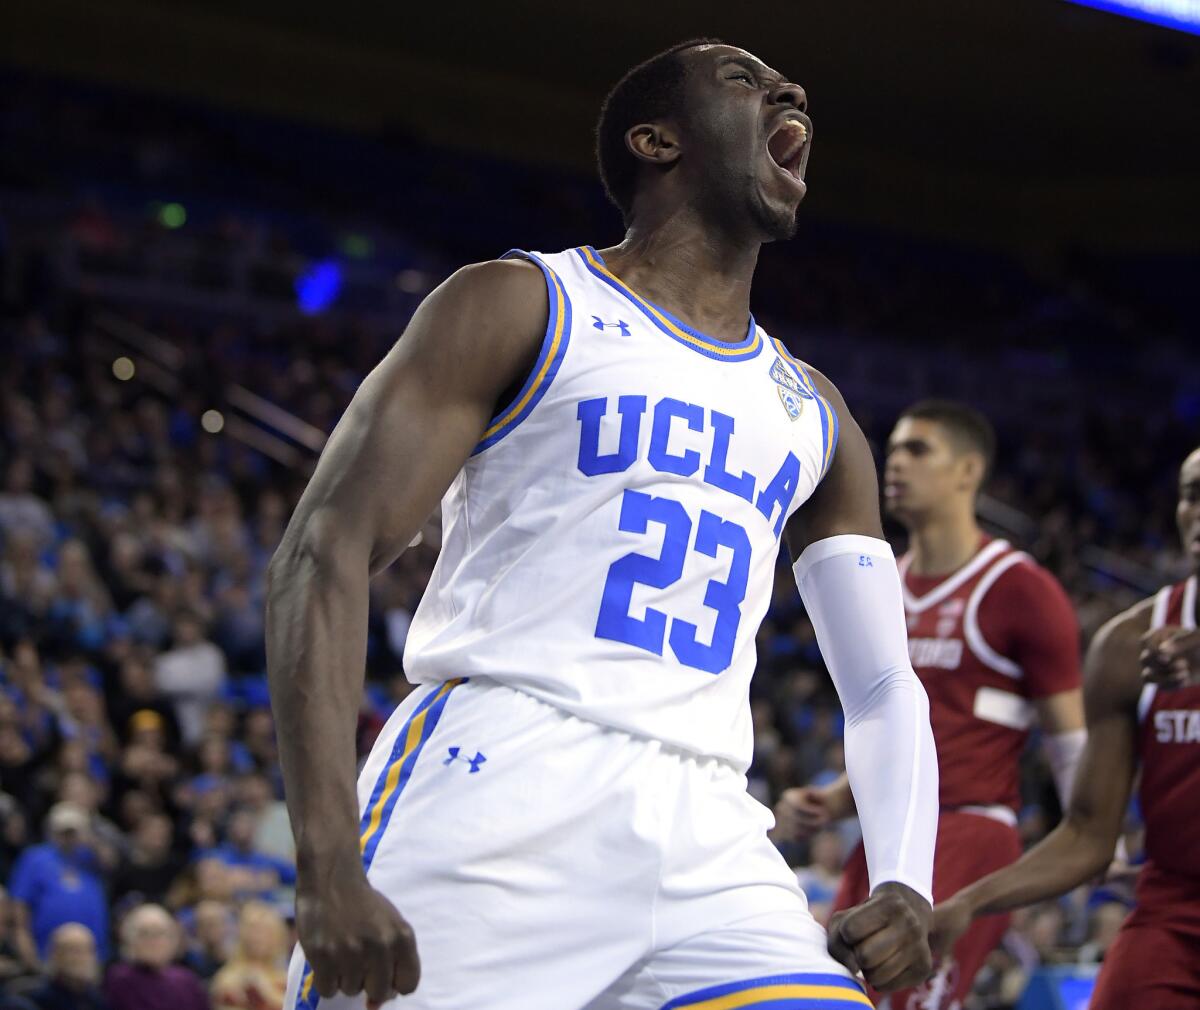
777, 217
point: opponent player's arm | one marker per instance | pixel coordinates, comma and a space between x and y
1031, 619
1064, 737
1081, 846
847, 577
407, 432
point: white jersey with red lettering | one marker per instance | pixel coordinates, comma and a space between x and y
610, 545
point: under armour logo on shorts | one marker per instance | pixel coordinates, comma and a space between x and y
474, 762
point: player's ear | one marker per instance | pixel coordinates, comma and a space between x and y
657, 143
972, 467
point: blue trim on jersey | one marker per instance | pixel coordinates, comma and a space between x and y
672, 326
554, 347
829, 418
410, 741
808, 991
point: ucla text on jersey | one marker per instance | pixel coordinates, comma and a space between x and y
609, 547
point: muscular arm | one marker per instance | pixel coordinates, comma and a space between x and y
1082, 844
409, 429
848, 579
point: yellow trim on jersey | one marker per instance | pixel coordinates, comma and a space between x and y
551, 353
715, 346
411, 742
767, 993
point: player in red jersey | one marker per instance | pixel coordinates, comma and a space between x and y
1143, 708
994, 640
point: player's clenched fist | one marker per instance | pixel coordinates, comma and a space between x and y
356, 941
886, 938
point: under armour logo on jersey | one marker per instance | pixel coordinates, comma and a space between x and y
474, 762
620, 324
864, 561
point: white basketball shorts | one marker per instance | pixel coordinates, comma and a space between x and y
550, 863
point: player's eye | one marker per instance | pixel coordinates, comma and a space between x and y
742, 75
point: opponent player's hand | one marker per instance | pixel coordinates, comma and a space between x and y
803, 811
951, 919
886, 938
1171, 657
356, 941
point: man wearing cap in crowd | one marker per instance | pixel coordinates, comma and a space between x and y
59, 882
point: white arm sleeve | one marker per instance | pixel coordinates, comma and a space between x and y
851, 590
1063, 751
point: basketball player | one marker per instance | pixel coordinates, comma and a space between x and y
557, 818
1151, 720
994, 640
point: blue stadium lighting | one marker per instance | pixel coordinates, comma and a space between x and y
317, 288
1182, 15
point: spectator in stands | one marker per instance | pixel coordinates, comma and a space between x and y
151, 865
72, 975
21, 510
18, 957
191, 673
146, 978
256, 975
83, 718
77, 616
59, 882
821, 877
273, 829
209, 944
16, 755
146, 765
258, 734
26, 585
138, 693
88, 794
254, 873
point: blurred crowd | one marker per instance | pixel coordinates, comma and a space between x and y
144, 843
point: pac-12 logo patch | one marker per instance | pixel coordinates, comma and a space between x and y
791, 393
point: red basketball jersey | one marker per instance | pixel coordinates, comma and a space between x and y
986, 641
1169, 749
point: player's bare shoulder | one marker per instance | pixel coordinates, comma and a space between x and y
500, 308
473, 338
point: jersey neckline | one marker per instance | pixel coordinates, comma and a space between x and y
671, 325
988, 551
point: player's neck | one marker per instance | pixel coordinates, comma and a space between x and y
692, 271
941, 545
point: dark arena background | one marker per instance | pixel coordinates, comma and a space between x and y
215, 217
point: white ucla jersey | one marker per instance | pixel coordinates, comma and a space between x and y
610, 545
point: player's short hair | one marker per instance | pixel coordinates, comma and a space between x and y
649, 91
968, 429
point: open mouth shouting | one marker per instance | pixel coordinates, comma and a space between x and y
788, 145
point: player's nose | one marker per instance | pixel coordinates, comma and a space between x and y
790, 94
